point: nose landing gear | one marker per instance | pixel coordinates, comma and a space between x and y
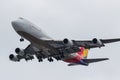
21, 39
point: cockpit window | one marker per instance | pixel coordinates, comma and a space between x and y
20, 18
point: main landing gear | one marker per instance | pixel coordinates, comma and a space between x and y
40, 60
50, 59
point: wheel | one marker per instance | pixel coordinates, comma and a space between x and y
40, 60
21, 39
26, 59
50, 59
58, 58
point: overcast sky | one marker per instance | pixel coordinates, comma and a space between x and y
74, 19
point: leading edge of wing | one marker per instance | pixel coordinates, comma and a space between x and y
83, 43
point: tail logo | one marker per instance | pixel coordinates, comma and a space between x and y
83, 52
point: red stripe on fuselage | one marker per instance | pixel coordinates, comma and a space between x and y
73, 60
81, 52
77, 58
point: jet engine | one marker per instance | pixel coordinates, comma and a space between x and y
13, 57
97, 41
68, 42
20, 51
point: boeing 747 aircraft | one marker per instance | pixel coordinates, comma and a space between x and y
42, 47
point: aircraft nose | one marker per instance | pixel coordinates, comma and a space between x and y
15, 24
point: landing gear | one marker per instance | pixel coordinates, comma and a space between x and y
39, 56
50, 59
40, 60
21, 39
58, 58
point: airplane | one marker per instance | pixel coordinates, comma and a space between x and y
74, 52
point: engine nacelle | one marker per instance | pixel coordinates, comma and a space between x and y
97, 41
20, 51
13, 57
68, 42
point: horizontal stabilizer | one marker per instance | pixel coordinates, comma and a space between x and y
95, 60
73, 64
85, 62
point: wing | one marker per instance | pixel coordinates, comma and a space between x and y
96, 42
105, 41
84, 43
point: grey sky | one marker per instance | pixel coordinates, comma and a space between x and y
74, 19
